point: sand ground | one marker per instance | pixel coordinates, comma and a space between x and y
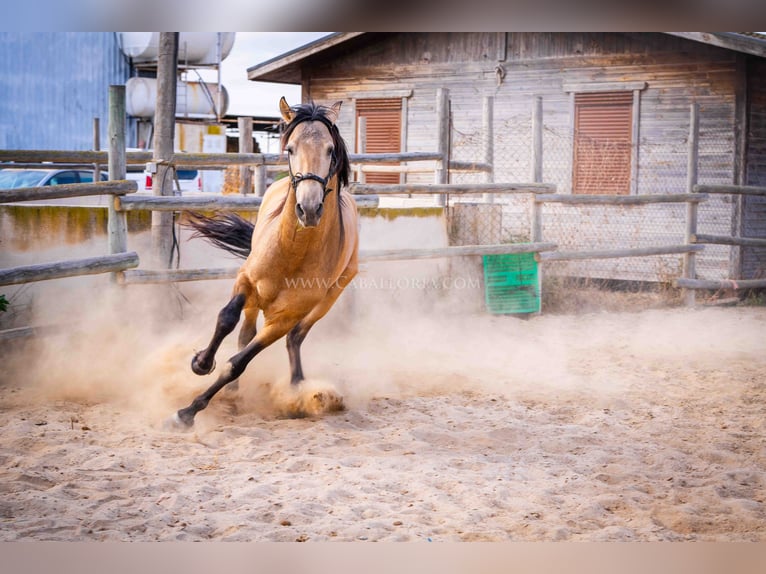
608, 426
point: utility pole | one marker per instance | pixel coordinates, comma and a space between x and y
164, 132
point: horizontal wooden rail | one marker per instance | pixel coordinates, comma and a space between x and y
212, 202
470, 166
720, 283
48, 165
254, 159
621, 199
728, 240
68, 190
225, 159
142, 276
207, 159
454, 251
66, 156
450, 188
27, 332
149, 276
618, 253
402, 156
177, 203
398, 168
72, 268
734, 189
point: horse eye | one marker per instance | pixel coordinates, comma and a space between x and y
330, 151
289, 150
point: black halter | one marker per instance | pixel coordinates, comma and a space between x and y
296, 178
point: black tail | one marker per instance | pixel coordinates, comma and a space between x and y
227, 231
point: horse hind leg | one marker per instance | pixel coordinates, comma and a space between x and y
203, 362
296, 336
294, 340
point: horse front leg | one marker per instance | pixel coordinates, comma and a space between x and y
203, 362
233, 369
247, 333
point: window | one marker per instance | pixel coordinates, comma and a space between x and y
63, 177
87, 176
383, 134
603, 123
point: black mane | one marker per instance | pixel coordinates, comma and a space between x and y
312, 112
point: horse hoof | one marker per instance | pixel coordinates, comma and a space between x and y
177, 423
198, 369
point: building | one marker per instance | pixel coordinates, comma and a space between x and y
616, 109
54, 84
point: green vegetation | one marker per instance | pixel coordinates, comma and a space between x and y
755, 298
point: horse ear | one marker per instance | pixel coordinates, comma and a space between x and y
284, 108
334, 111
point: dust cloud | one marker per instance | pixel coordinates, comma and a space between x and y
386, 337
458, 425
400, 330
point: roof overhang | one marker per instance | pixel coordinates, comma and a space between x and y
287, 68
753, 44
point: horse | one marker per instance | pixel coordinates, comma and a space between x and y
301, 252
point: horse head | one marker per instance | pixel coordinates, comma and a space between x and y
315, 155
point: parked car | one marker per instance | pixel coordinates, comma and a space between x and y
11, 178
188, 179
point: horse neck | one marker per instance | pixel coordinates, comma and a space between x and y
298, 239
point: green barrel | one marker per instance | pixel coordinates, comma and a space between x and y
511, 283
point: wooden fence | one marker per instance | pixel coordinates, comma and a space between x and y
123, 264
112, 263
701, 239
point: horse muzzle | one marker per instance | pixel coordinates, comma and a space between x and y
309, 216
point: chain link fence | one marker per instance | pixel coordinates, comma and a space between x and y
661, 167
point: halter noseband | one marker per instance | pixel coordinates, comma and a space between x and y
296, 178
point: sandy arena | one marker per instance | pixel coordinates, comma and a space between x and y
458, 427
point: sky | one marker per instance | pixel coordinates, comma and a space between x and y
251, 48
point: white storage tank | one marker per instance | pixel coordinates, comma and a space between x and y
196, 48
192, 99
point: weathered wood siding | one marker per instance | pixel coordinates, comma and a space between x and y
754, 208
516, 67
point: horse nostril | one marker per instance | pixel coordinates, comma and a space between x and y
319, 209
299, 211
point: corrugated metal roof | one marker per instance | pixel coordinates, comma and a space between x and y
53, 84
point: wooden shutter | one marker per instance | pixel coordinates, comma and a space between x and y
603, 140
384, 131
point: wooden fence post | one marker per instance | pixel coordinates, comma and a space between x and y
117, 222
96, 147
537, 140
689, 267
259, 180
442, 139
489, 142
537, 166
361, 144
164, 132
245, 126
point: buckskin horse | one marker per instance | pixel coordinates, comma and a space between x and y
300, 254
